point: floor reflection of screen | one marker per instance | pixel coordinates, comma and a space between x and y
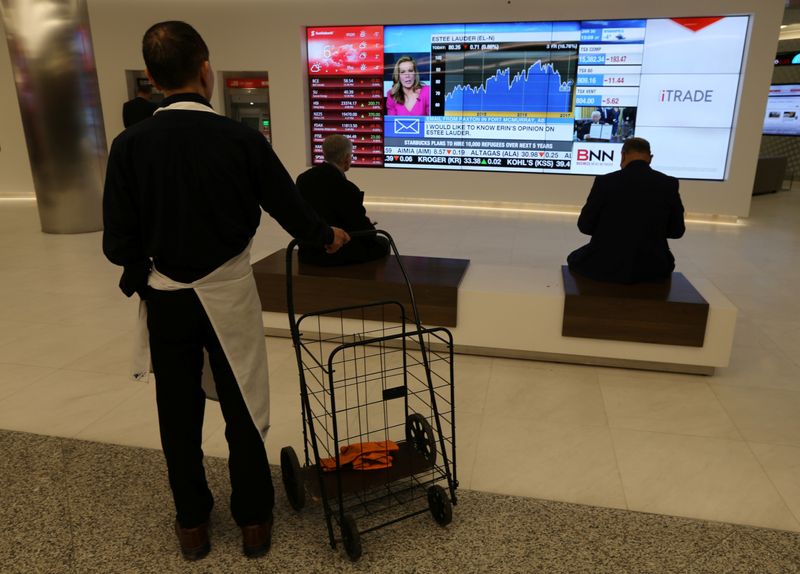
556, 97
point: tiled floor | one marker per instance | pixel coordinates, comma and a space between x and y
723, 448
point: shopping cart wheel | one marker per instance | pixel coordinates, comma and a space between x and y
292, 478
420, 435
439, 504
350, 538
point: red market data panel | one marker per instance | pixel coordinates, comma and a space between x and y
345, 76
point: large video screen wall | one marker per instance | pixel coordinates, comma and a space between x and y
782, 117
543, 97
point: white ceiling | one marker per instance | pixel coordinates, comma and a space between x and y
790, 29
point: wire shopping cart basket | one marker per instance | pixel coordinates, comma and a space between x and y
377, 396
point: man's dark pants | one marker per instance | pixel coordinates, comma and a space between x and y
179, 330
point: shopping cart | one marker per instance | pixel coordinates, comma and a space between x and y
368, 376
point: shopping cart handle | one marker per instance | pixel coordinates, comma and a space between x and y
368, 233
362, 233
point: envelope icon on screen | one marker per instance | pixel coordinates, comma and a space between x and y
406, 126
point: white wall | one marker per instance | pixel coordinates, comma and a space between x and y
268, 35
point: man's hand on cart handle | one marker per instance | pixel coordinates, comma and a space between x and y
340, 237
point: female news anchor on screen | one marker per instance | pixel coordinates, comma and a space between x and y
407, 97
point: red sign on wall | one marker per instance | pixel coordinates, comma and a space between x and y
345, 51
247, 83
697, 24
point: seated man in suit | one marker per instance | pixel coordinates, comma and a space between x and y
630, 213
340, 203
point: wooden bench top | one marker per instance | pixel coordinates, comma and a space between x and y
678, 290
435, 282
671, 313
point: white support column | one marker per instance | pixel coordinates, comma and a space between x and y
51, 53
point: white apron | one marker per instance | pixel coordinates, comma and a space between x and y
230, 299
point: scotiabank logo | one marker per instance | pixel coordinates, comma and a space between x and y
688, 96
601, 155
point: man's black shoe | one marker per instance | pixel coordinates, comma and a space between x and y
256, 539
194, 541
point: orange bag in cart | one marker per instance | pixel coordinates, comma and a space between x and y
363, 456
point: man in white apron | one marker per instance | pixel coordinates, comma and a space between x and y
183, 198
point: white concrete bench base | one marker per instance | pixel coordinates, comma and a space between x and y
516, 312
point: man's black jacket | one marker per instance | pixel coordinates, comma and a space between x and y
629, 213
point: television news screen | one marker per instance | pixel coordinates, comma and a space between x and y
782, 117
539, 97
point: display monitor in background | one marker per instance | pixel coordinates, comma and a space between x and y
541, 97
787, 58
782, 117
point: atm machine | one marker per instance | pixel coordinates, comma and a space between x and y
136, 78
246, 98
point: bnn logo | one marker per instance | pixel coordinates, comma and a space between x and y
595, 155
